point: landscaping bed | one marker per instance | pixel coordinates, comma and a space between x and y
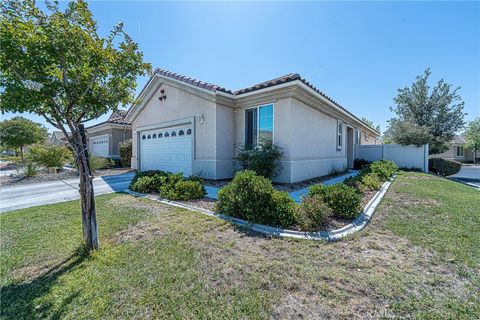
418, 259
254, 199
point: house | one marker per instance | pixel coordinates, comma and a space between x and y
57, 138
185, 125
457, 150
103, 138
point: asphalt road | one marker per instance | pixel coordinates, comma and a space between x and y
31, 195
470, 174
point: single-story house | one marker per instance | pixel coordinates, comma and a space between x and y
185, 125
103, 138
457, 150
57, 138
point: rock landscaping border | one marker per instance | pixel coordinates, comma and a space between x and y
333, 235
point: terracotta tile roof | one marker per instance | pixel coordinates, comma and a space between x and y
118, 117
262, 85
195, 82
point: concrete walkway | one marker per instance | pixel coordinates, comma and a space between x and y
37, 194
212, 192
298, 194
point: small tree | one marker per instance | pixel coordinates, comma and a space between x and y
55, 64
371, 124
19, 132
473, 137
125, 150
432, 116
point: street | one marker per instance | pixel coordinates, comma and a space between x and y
30, 195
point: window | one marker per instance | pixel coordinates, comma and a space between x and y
259, 124
143, 137
160, 135
339, 134
459, 151
357, 137
366, 136
149, 137
167, 135
189, 131
181, 133
154, 136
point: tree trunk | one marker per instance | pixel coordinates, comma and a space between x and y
21, 153
89, 217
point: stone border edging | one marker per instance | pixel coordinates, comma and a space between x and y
334, 235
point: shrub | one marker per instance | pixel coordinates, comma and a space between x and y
342, 199
125, 150
30, 169
50, 155
97, 163
263, 159
142, 185
147, 173
185, 190
312, 213
384, 169
444, 167
371, 181
359, 164
253, 198
356, 183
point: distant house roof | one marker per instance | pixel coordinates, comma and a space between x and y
117, 117
458, 139
262, 85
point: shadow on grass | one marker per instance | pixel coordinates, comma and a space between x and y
18, 300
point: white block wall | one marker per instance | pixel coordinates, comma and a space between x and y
404, 156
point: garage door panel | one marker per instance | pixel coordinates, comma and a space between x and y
99, 146
173, 153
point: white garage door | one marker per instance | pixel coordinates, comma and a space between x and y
168, 149
99, 146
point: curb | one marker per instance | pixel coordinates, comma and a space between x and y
333, 235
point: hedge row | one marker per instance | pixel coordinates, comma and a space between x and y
171, 186
444, 167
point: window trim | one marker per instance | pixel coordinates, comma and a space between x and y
339, 134
258, 121
460, 154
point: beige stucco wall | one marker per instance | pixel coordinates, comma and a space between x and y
451, 153
189, 104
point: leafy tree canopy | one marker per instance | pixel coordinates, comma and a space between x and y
371, 124
19, 132
56, 65
473, 135
426, 115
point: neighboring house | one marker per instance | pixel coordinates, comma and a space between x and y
103, 138
457, 150
186, 125
57, 138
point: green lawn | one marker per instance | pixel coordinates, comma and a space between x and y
418, 257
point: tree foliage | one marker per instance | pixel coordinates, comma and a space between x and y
56, 65
428, 115
473, 137
371, 124
19, 132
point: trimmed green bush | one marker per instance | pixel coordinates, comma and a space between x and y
342, 199
147, 173
312, 213
183, 190
143, 185
356, 183
384, 169
263, 159
253, 198
444, 167
371, 181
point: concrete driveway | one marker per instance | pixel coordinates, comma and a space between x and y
31, 195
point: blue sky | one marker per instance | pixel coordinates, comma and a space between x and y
358, 53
